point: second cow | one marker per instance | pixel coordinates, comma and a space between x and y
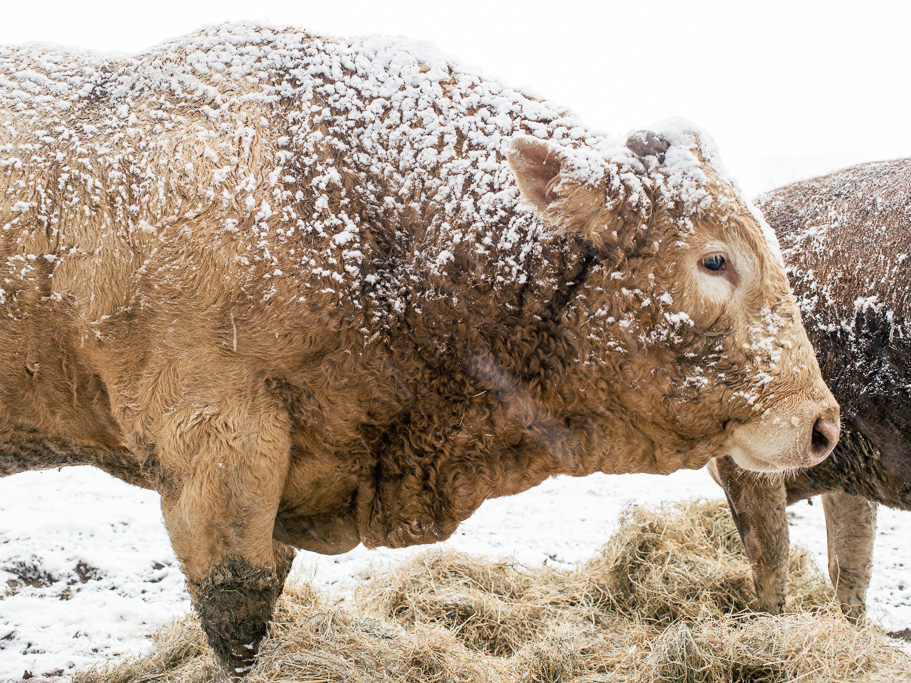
846, 240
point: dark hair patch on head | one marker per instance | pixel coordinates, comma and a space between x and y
645, 143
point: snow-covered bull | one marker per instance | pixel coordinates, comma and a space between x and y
847, 246
320, 293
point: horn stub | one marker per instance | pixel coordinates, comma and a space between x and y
645, 143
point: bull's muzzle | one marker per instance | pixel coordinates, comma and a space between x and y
787, 437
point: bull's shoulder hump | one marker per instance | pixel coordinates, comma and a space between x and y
875, 190
846, 239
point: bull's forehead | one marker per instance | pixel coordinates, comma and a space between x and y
694, 178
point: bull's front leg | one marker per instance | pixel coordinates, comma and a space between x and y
227, 467
850, 532
758, 506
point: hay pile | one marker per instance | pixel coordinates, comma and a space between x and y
666, 599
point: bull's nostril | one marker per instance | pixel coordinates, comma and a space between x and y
825, 436
820, 442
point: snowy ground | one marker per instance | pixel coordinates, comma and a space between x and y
86, 570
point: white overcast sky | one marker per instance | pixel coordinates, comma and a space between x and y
788, 89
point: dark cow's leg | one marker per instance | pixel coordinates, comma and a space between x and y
758, 506
850, 532
229, 468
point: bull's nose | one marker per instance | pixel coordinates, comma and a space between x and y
826, 431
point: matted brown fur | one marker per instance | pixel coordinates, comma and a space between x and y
630, 614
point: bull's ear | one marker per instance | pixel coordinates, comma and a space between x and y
537, 165
581, 194
564, 196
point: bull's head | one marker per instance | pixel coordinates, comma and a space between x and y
693, 343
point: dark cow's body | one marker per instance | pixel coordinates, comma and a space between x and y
291, 284
846, 238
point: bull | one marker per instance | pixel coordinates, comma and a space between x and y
320, 292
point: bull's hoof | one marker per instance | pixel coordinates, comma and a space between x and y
854, 612
235, 603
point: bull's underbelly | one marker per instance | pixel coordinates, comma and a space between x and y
25, 451
29, 450
392, 514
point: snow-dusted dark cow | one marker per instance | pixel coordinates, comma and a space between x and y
847, 246
320, 293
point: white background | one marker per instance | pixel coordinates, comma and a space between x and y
788, 88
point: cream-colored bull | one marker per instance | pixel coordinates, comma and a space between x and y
320, 293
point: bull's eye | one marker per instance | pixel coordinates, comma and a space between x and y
714, 263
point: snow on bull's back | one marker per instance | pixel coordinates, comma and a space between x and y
296, 145
847, 242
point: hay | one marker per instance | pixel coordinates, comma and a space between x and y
666, 599
677, 562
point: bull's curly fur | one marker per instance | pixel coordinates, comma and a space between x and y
289, 283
